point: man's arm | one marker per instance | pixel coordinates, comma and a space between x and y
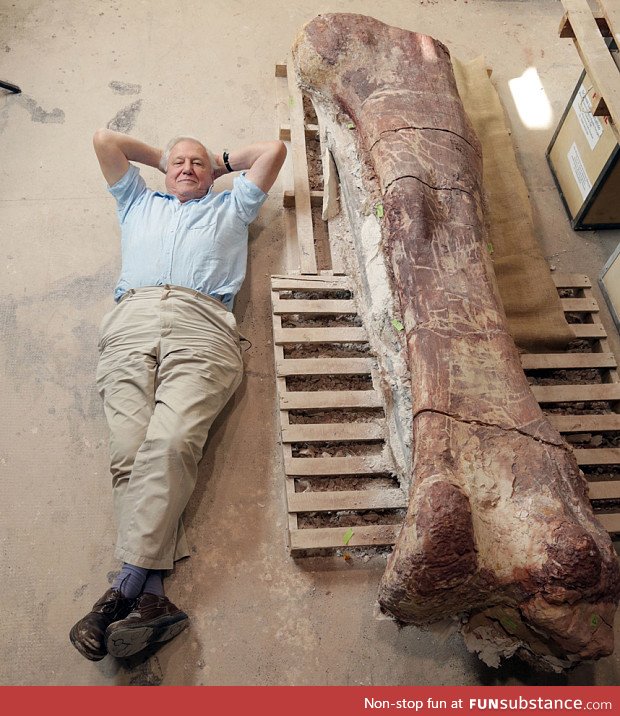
115, 150
262, 161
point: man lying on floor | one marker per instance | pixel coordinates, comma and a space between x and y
169, 360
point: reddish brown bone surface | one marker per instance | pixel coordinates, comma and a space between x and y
499, 532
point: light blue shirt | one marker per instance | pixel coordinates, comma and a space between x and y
200, 244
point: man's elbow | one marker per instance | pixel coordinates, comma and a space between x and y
102, 138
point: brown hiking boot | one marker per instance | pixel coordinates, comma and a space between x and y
88, 635
153, 619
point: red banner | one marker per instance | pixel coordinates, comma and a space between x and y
311, 700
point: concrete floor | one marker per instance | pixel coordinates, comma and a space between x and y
204, 68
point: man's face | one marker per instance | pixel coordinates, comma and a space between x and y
189, 171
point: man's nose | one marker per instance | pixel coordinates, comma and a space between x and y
187, 167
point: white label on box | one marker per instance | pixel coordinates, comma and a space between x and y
579, 171
591, 125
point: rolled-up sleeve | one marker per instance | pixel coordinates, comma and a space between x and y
130, 187
247, 198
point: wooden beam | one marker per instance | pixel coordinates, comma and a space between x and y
595, 55
610, 522
608, 422
323, 366
326, 537
288, 198
347, 500
608, 490
320, 335
537, 361
576, 393
579, 305
611, 13
318, 466
597, 456
588, 330
321, 399
566, 29
327, 307
332, 432
303, 213
310, 131
571, 280
311, 283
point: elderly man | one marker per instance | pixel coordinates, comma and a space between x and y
169, 360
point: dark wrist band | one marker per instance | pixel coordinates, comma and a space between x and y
226, 164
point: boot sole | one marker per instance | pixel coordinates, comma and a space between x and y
129, 640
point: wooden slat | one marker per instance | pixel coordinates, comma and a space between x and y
303, 214
334, 537
576, 393
288, 198
539, 361
585, 423
610, 522
588, 330
311, 306
311, 283
595, 56
609, 490
571, 280
337, 334
346, 500
597, 456
323, 366
611, 12
327, 432
307, 466
310, 130
317, 399
580, 305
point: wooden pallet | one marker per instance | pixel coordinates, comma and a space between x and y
317, 290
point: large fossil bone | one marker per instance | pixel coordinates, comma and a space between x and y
499, 533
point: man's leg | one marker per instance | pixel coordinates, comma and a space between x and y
126, 383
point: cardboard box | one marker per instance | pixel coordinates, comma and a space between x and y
583, 156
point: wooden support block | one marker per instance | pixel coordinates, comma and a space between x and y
585, 423
334, 537
608, 490
332, 432
571, 280
540, 361
311, 283
579, 305
320, 335
347, 500
318, 466
328, 307
323, 366
597, 456
321, 399
576, 393
281, 69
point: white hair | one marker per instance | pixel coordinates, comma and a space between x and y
175, 140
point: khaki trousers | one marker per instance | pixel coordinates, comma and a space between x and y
169, 362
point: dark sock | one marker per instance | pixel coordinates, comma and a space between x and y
130, 580
154, 583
